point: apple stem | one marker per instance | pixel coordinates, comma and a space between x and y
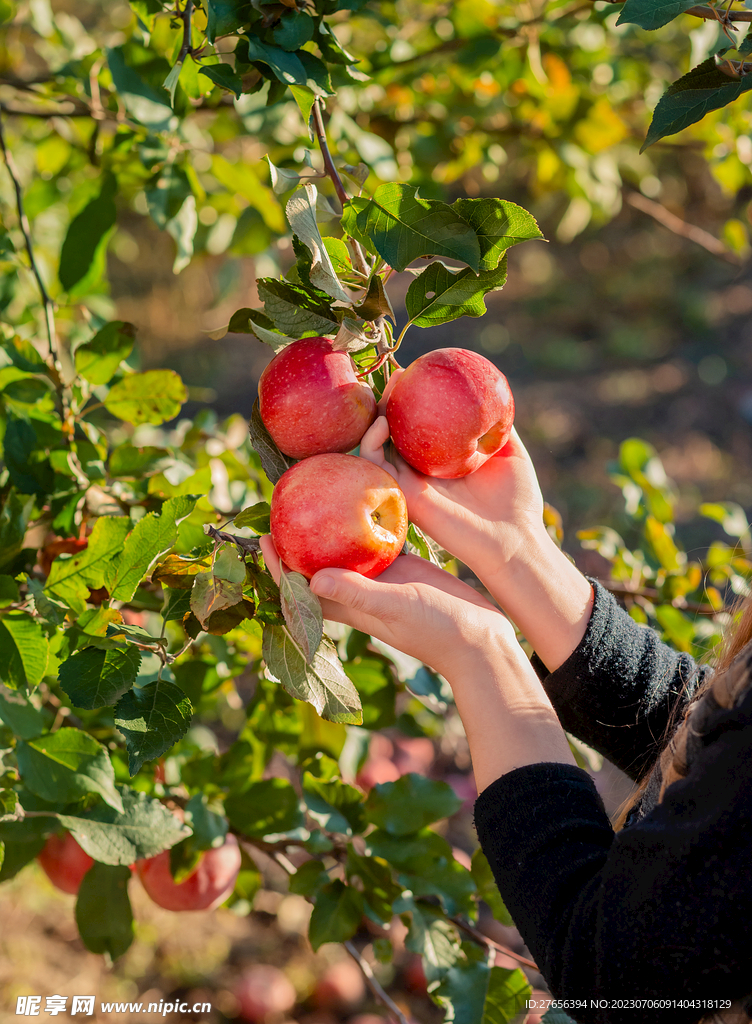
333, 173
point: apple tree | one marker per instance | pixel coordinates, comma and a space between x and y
160, 691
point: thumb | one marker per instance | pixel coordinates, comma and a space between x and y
352, 590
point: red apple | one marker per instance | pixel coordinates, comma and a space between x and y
340, 987
311, 402
210, 884
375, 771
338, 511
64, 862
449, 412
413, 754
264, 992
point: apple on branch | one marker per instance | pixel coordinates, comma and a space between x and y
208, 885
64, 862
449, 412
338, 511
311, 402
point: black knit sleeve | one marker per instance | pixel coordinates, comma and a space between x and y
659, 911
622, 687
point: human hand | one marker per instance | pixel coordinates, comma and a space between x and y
413, 606
483, 518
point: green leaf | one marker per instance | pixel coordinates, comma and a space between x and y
226, 17
142, 829
375, 684
8, 591
498, 224
171, 82
731, 516
268, 807
126, 460
651, 14
679, 629
462, 991
323, 683
255, 517
97, 360
295, 310
662, 542
151, 719
376, 302
103, 910
400, 226
95, 678
223, 76
66, 765
334, 805
410, 803
151, 397
18, 855
71, 579
293, 29
182, 227
336, 914
379, 889
142, 102
427, 867
439, 294
211, 594
283, 179
508, 990
301, 213
14, 515
435, 939
302, 611
273, 462
551, 1016
87, 236
20, 715
151, 537
309, 877
487, 887
285, 66
688, 100
24, 650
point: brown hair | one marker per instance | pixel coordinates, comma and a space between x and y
736, 637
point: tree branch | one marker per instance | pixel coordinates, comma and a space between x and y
373, 983
49, 309
619, 590
681, 227
483, 940
333, 173
185, 17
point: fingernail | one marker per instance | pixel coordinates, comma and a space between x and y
323, 586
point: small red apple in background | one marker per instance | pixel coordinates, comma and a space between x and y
59, 546
413, 754
209, 885
414, 977
264, 992
64, 862
338, 511
340, 987
311, 402
449, 412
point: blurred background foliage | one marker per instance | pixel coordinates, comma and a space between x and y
632, 321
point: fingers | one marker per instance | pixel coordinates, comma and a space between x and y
373, 441
271, 558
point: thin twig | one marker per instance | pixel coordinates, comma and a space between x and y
331, 170
49, 313
373, 983
680, 227
483, 940
185, 16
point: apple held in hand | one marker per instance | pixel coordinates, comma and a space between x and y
338, 511
205, 888
64, 862
449, 412
311, 402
